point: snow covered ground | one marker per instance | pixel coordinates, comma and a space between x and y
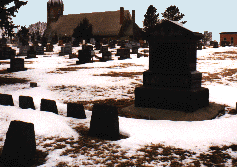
60, 79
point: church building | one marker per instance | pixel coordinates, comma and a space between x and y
110, 24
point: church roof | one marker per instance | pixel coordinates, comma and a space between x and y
103, 23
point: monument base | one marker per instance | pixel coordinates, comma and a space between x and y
205, 113
187, 100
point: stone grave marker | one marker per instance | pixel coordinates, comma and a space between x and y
112, 44
48, 105
26, 102
7, 52
40, 50
49, 47
134, 50
98, 46
104, 122
20, 145
104, 49
124, 53
23, 50
145, 45
106, 56
31, 53
16, 64
84, 56
172, 81
76, 111
215, 44
6, 99
33, 84
66, 50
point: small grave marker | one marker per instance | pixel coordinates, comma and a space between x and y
31, 53
16, 64
33, 84
124, 53
104, 122
76, 111
48, 105
6, 99
49, 47
26, 102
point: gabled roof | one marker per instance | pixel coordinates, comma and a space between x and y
170, 29
103, 23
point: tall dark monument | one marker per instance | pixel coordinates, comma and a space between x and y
172, 81
55, 9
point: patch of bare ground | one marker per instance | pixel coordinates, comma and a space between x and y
67, 69
8, 81
229, 74
102, 152
120, 74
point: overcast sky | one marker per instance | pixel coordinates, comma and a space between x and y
203, 15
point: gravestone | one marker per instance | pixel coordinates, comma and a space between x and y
104, 49
85, 46
66, 50
104, 122
84, 56
172, 81
124, 53
26, 102
145, 45
6, 99
134, 50
33, 84
98, 46
128, 45
106, 56
31, 53
215, 44
48, 105
112, 44
76, 111
16, 64
40, 50
23, 50
7, 52
20, 145
49, 47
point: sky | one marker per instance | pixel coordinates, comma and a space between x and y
212, 16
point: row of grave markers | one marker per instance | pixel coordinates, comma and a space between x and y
99, 112
20, 145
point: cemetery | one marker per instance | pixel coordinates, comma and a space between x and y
112, 100
129, 74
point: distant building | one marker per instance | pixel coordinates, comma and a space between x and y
109, 24
230, 37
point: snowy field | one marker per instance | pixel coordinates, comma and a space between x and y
60, 79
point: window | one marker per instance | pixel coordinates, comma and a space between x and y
232, 40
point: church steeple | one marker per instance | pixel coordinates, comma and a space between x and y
55, 9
